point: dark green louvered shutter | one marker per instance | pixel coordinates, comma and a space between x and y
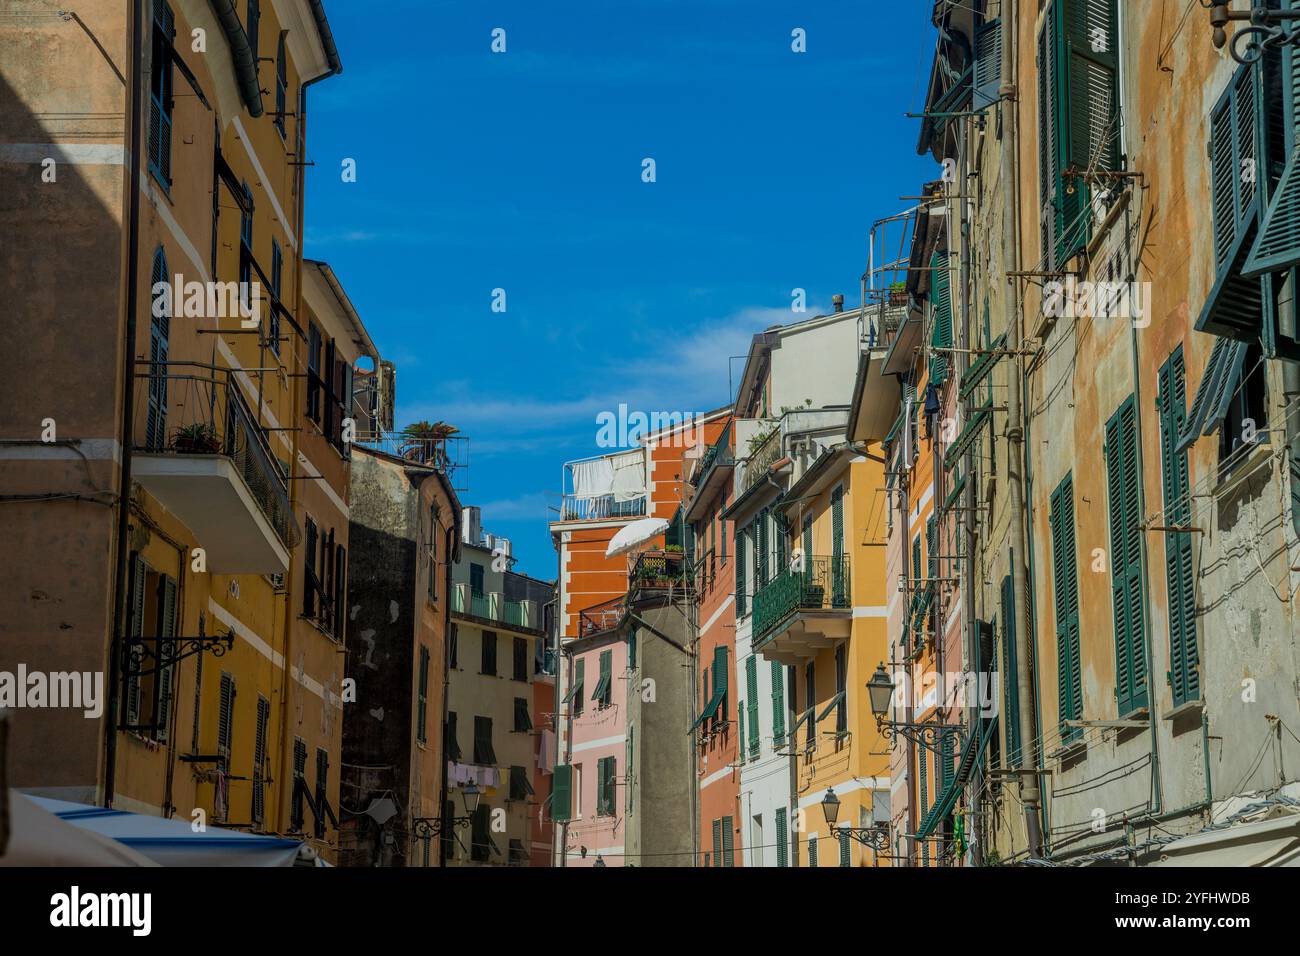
226, 717
717, 843
740, 732
922, 782
1065, 583
741, 608
839, 567
1010, 675
778, 703
941, 329
1184, 677
561, 793
812, 851
761, 538
782, 839
844, 846
751, 699
946, 750
721, 685
259, 759
1127, 586
422, 698
1049, 159
728, 842
155, 428
988, 63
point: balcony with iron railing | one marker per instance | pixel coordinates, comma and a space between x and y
449, 454
602, 508
800, 434
489, 608
805, 607
198, 448
604, 616
657, 571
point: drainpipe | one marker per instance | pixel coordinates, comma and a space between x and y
453, 540
1029, 791
908, 713
128, 406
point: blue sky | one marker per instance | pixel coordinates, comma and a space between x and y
522, 171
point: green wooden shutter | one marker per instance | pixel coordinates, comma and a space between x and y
946, 751
740, 731
1184, 676
751, 697
1049, 160
168, 649
778, 703
761, 537
1065, 583
721, 685
988, 63
561, 793
941, 329
812, 851
1010, 675
839, 567
782, 841
717, 843
844, 847
741, 606
728, 842
922, 782
1128, 598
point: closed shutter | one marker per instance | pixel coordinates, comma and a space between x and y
941, 327
1010, 674
751, 697
299, 784
226, 717
422, 711
1180, 582
161, 102
761, 537
167, 648
778, 703
844, 847
721, 685
812, 851
839, 567
561, 795
340, 595
310, 584
1127, 585
717, 843
728, 842
782, 843
1065, 584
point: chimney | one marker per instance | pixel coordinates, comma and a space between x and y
837, 300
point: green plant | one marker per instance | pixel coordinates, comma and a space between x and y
198, 437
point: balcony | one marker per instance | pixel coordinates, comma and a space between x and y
198, 449
602, 617
489, 608
657, 570
448, 453
800, 611
603, 508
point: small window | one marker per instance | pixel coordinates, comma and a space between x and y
521, 658
476, 579
1246, 421
452, 640
422, 717
523, 722
450, 742
520, 787
489, 664
484, 753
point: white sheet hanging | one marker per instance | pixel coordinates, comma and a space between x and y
593, 479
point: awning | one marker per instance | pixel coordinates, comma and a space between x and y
981, 367
173, 842
948, 797
967, 436
799, 723
835, 702
38, 837
1273, 842
1222, 373
635, 534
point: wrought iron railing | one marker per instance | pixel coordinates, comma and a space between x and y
602, 616
186, 408
657, 569
575, 508
719, 451
447, 453
822, 584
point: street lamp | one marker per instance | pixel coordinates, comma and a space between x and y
1266, 28
427, 827
876, 837
880, 691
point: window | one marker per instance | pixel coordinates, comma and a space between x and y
452, 640
1128, 588
841, 688
246, 250
322, 790
481, 843
605, 787
315, 384
778, 704
281, 84
484, 753
1010, 675
521, 658
1078, 117
476, 579
226, 718
577, 790
602, 694
576, 692
160, 93
159, 335
489, 653
299, 785
1246, 418
742, 537
523, 722
450, 740
520, 787
941, 317
1180, 580
756, 839
810, 699
422, 697
273, 319
259, 760
782, 846
153, 613
845, 857
812, 850
1065, 585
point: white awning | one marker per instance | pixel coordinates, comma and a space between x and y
633, 535
1274, 842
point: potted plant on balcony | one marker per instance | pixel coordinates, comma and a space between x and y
199, 438
898, 293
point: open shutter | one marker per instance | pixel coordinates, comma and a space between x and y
259, 760
988, 63
720, 682
1180, 582
1011, 707
1049, 160
741, 536
751, 699
941, 330
1126, 558
136, 625
1066, 588
1218, 383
